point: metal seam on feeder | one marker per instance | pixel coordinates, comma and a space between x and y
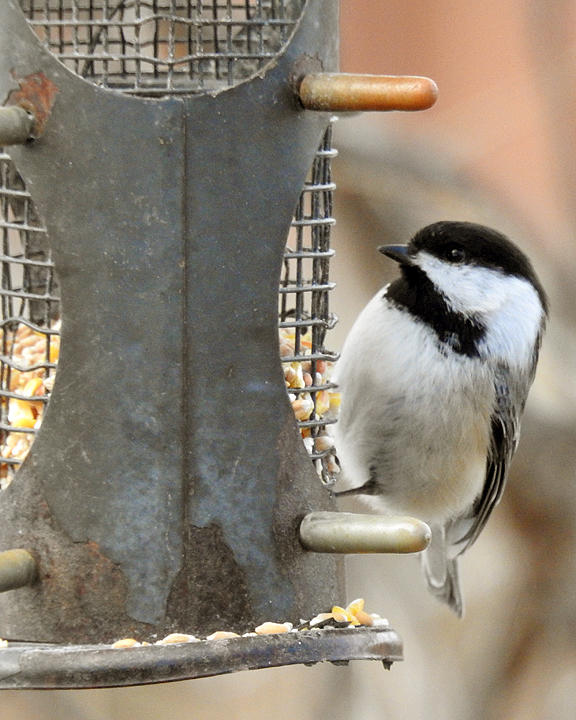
15, 125
340, 92
17, 569
340, 532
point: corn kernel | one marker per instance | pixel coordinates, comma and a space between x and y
222, 635
322, 402
177, 638
341, 614
273, 628
303, 407
126, 643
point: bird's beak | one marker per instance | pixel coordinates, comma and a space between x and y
396, 252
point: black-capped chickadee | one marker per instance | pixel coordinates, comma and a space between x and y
434, 376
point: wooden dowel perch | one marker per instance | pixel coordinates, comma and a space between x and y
17, 569
342, 532
15, 125
340, 92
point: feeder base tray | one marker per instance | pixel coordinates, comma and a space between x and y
30, 666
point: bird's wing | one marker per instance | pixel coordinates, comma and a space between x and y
510, 389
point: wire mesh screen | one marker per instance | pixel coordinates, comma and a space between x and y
29, 321
163, 47
30, 317
304, 313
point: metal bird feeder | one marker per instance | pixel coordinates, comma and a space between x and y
154, 477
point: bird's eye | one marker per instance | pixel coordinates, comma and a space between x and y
456, 255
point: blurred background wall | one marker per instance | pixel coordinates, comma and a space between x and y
497, 148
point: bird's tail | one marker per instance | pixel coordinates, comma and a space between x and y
442, 571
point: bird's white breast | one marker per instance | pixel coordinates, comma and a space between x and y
419, 412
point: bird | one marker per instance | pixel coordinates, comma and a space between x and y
433, 377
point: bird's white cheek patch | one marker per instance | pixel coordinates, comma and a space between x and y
468, 289
508, 306
512, 329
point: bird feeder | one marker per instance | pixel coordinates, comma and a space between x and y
157, 477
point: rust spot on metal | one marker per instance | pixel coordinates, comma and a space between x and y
36, 94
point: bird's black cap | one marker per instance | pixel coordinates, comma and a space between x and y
475, 244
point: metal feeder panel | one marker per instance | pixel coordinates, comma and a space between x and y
166, 484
